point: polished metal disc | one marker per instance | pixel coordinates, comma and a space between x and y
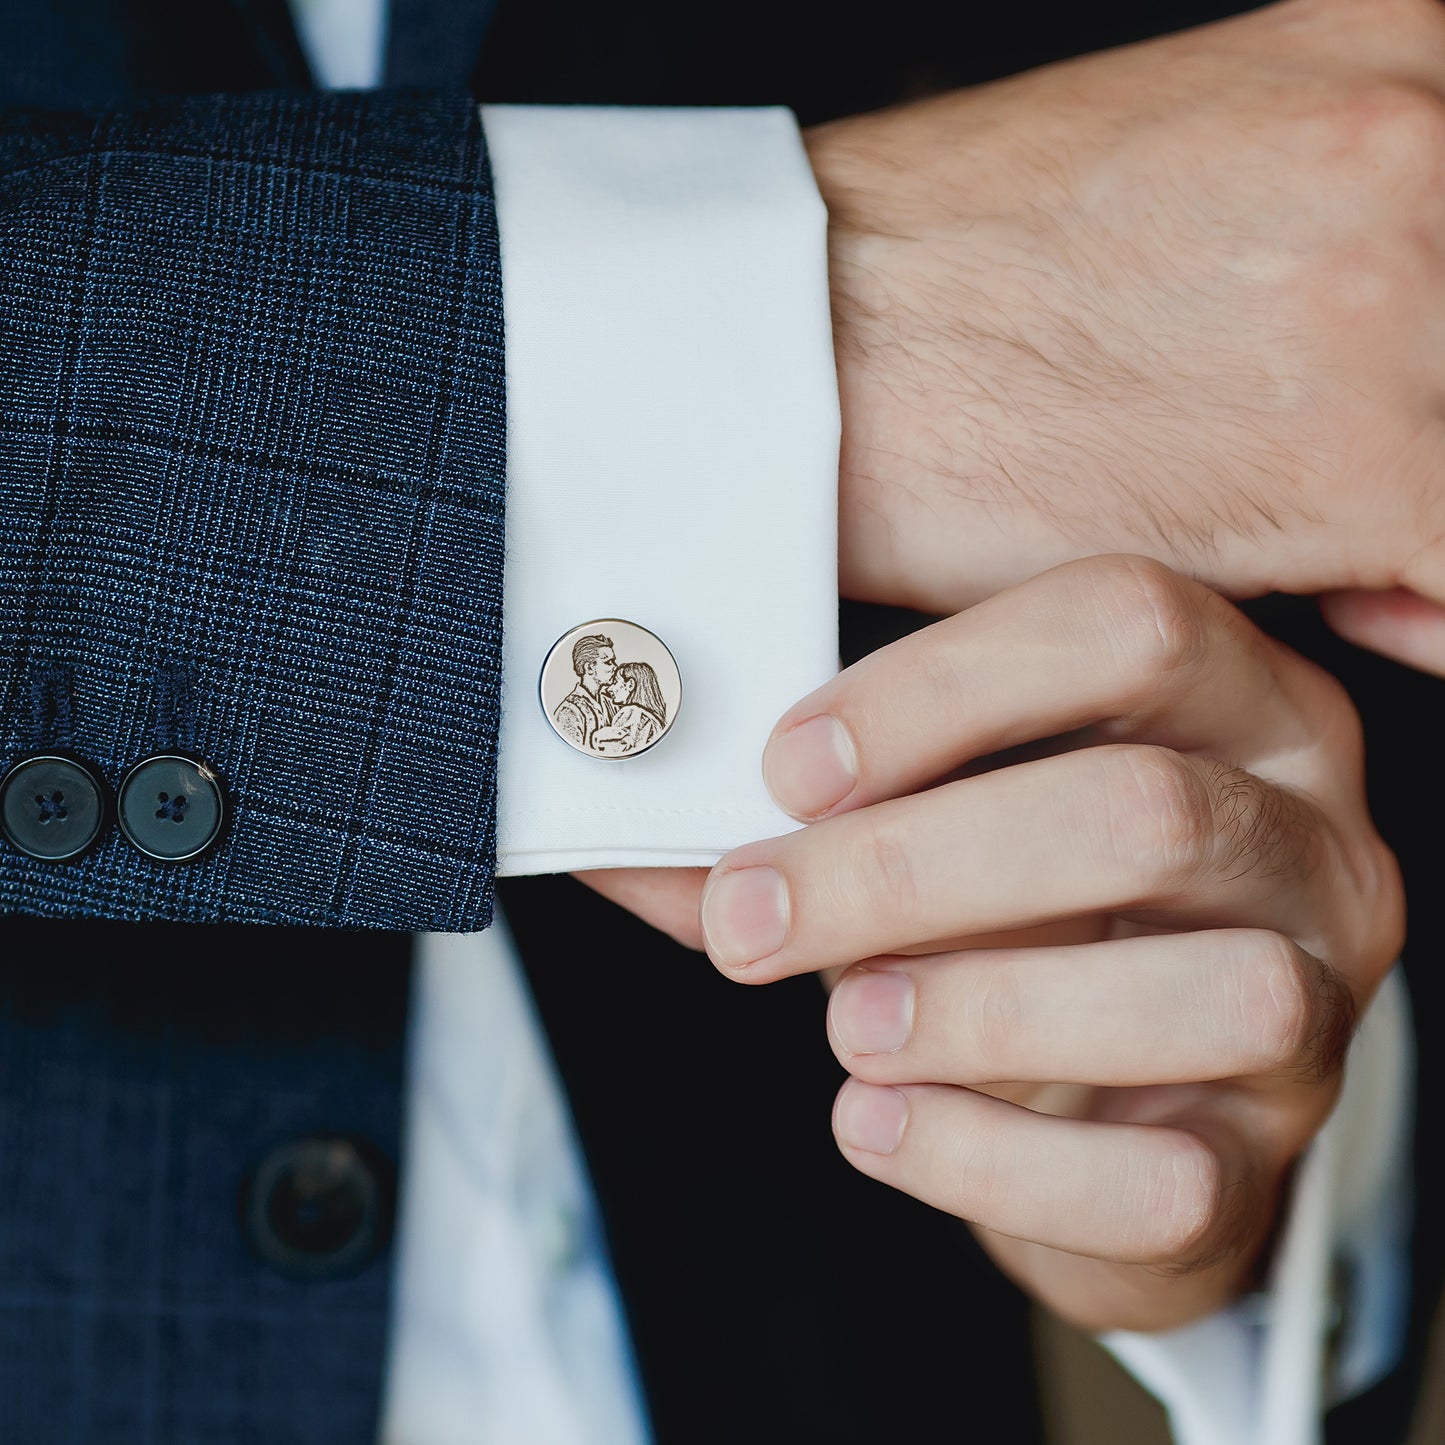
610, 688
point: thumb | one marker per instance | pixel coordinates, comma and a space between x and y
1398, 624
667, 898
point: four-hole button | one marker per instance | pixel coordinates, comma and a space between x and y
53, 806
172, 807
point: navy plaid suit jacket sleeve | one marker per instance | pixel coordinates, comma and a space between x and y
252, 435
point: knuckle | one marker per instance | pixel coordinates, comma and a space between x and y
1150, 615
1301, 1010
1262, 828
1278, 1002
1391, 136
1182, 1203
1373, 915
939, 681
883, 858
974, 1177
1332, 1020
1337, 722
1383, 143
994, 1019
1384, 883
1412, 20
1172, 818
1159, 815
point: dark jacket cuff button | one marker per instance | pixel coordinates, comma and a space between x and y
54, 806
172, 807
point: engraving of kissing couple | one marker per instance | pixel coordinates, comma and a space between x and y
615, 708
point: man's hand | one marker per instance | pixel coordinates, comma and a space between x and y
1097, 1000
1184, 298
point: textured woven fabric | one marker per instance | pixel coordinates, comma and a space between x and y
251, 425
144, 1074
64, 53
435, 42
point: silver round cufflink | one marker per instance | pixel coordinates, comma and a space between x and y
610, 688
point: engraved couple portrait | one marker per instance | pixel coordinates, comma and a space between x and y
615, 708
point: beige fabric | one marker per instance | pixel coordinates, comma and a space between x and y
1428, 1426
1088, 1398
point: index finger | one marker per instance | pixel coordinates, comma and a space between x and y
1117, 641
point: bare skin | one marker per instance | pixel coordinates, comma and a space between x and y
1184, 300
1167, 913
1169, 918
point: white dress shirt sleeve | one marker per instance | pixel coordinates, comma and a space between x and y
672, 460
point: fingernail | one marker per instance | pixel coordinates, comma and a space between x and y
872, 1013
870, 1117
745, 916
810, 767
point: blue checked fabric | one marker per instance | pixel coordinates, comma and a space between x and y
146, 1072
252, 429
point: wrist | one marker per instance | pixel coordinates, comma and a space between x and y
930, 512
867, 537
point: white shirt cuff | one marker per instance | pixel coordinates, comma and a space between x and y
672, 459
1333, 1318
